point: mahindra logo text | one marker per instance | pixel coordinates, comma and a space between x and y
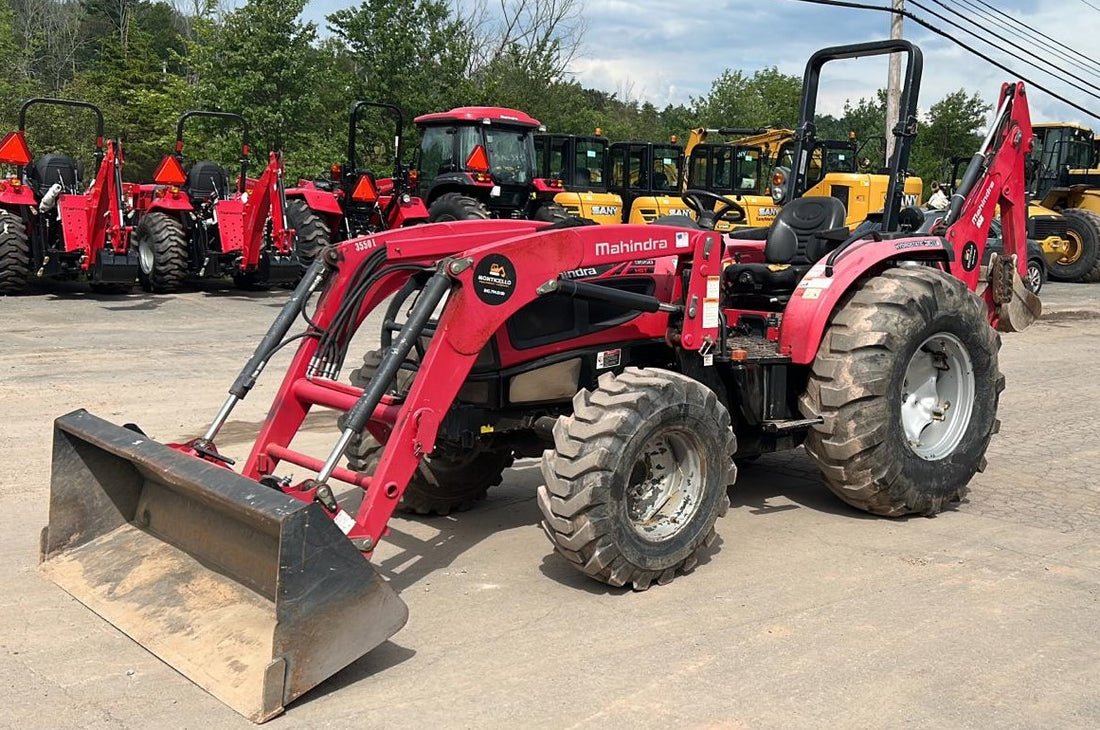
978, 218
647, 246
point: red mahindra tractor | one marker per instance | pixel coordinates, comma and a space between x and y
353, 201
638, 361
52, 227
479, 162
193, 223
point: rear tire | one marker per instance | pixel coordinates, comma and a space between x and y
907, 384
605, 505
449, 480
311, 234
15, 254
1082, 262
456, 207
162, 253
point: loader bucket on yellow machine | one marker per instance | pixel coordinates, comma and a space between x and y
251, 594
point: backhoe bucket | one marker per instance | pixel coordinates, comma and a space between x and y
251, 594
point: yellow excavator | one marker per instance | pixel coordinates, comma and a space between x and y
648, 176
582, 165
834, 169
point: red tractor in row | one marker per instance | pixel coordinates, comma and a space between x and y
480, 162
639, 362
196, 223
353, 201
51, 226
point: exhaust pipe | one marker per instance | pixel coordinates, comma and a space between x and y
251, 594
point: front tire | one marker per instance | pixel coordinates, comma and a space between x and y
456, 207
1081, 261
638, 477
551, 213
15, 254
907, 384
162, 253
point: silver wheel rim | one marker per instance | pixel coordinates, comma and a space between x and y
666, 485
146, 256
1034, 278
937, 396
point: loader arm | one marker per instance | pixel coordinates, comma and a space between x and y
484, 277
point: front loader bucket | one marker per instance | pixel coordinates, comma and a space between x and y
251, 594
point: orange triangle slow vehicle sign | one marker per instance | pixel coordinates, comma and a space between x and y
169, 172
14, 150
478, 161
364, 190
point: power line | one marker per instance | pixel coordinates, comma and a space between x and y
1000, 37
928, 26
1032, 35
1086, 2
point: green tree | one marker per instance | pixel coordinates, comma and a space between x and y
767, 98
262, 62
952, 128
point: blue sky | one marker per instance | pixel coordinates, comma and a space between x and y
653, 50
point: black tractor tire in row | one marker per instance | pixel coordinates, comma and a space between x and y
162, 253
311, 233
15, 254
1084, 233
456, 207
448, 480
637, 477
907, 384
551, 212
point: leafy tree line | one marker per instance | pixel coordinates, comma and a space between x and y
144, 62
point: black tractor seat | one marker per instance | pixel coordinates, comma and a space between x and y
54, 168
205, 179
805, 230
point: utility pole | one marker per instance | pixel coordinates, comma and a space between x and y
893, 82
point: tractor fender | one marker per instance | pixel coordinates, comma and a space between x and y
174, 201
320, 201
818, 294
16, 195
406, 213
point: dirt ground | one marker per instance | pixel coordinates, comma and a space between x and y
809, 614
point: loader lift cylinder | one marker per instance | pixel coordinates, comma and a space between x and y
314, 275
430, 297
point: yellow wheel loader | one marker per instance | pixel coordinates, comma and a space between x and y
1063, 177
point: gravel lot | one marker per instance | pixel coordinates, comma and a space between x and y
809, 615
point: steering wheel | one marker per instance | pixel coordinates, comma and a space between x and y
724, 208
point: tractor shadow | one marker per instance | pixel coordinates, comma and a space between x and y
384, 656
273, 296
134, 300
419, 545
786, 481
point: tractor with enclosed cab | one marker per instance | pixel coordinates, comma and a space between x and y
480, 162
